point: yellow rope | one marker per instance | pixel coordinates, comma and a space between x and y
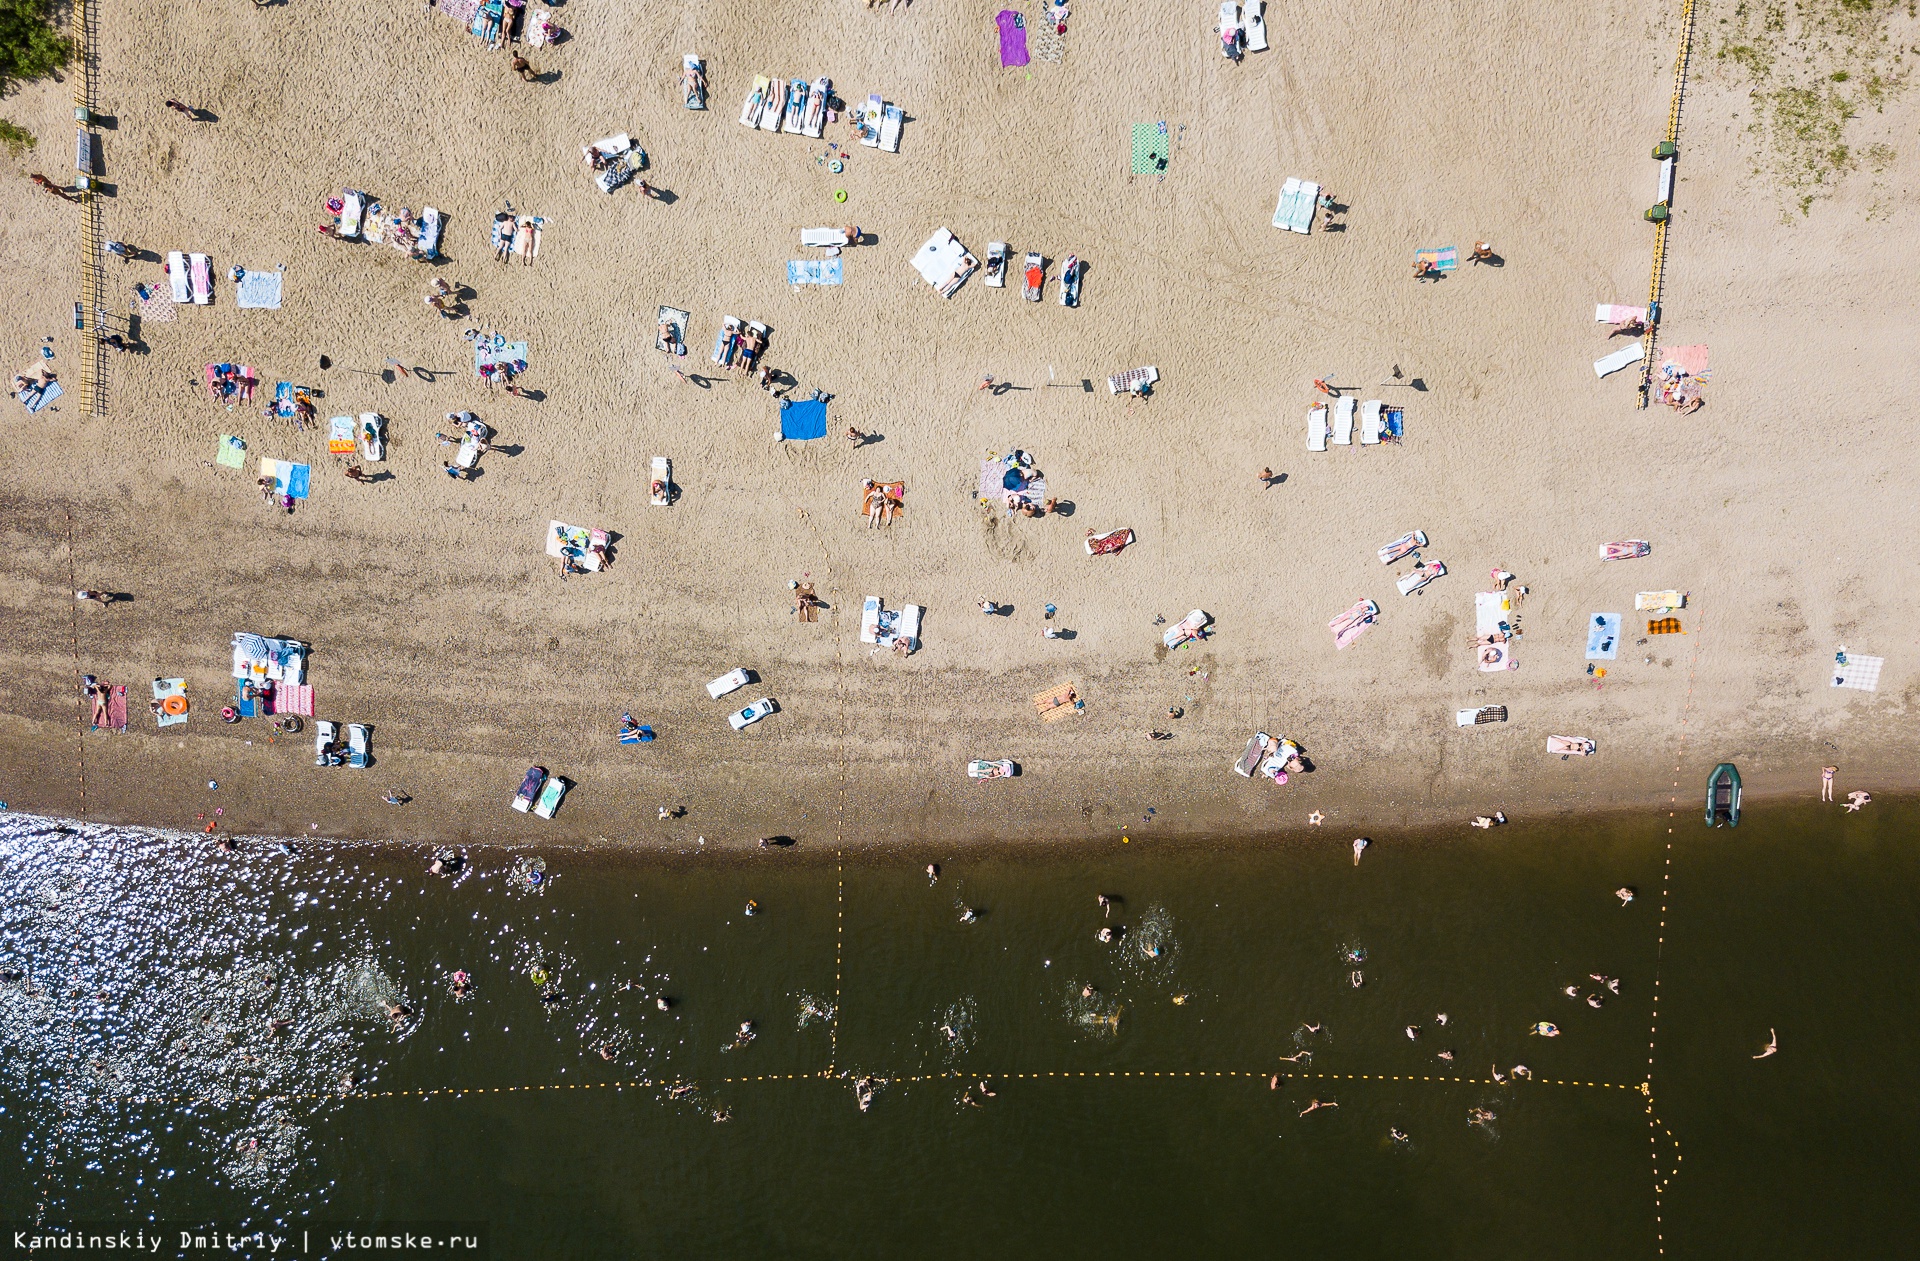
1657, 280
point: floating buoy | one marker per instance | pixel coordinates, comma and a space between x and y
174, 705
836, 166
839, 194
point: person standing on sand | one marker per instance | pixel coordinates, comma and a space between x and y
524, 68
1826, 782
52, 187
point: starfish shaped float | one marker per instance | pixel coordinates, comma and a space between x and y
1315, 818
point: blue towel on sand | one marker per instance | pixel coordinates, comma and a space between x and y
813, 271
802, 421
1603, 637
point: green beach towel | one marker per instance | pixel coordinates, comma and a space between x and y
232, 453
1150, 148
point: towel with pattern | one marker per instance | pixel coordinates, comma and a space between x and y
1664, 626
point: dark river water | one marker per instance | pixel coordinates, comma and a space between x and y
187, 1034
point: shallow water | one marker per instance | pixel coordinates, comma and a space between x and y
141, 1074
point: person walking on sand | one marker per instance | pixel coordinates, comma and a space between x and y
1482, 252
854, 436
188, 110
52, 187
524, 68
1264, 477
1826, 782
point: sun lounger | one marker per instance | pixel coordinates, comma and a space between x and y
325, 733
693, 78
797, 91
1033, 275
353, 210
1250, 760
1353, 623
373, 437
1403, 545
870, 117
1603, 637
1423, 573
677, 319
756, 100
1343, 421
1371, 425
427, 245
944, 263
1317, 429
776, 107
1229, 25
172, 695
1627, 355
813, 123
1059, 702
996, 264
358, 756
177, 275
1570, 746
550, 794
468, 454
1133, 380
890, 120
200, 268
1298, 200
1255, 20
660, 484
908, 627
1659, 601
726, 340
1484, 714
1109, 543
530, 786
823, 238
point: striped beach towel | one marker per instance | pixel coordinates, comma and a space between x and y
293, 698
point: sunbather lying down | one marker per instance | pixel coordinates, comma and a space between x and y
669, 335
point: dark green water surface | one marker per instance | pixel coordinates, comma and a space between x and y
141, 1078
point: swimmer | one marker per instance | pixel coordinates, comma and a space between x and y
954, 1037
1613, 984
1106, 904
1521, 1071
1545, 1029
1772, 1047
1595, 1001
1356, 979
1087, 991
1413, 1033
966, 1097
278, 1028
988, 1093
1315, 1104
1495, 1071
1441, 1019
753, 907
968, 915
722, 1115
1105, 934
1571, 991
1360, 843
1624, 893
683, 1090
606, 1052
1273, 1082
398, 1012
933, 874
1447, 1055
1179, 1000
662, 1002
1396, 1135
1478, 1116
1297, 1057
1307, 1028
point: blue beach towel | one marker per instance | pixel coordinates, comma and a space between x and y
513, 353
1603, 637
803, 421
813, 271
259, 290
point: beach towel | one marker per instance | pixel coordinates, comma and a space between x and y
813, 271
1150, 148
1133, 380
1860, 673
1298, 200
1353, 623
487, 356
677, 318
1659, 601
1484, 714
1493, 615
1058, 702
1343, 421
1691, 360
293, 698
1610, 313
158, 307
288, 479
117, 708
36, 399
232, 452
944, 262
1013, 38
1396, 426
802, 421
1006, 479
1603, 637
340, 436
660, 483
1664, 626
1108, 544
200, 270
1444, 258
1628, 354
164, 690
259, 290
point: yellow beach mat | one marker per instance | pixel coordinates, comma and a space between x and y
1659, 601
1057, 703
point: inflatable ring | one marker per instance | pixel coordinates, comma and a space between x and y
839, 194
174, 705
836, 166
229, 714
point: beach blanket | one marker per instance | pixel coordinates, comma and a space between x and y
340, 438
1353, 623
158, 307
1610, 313
293, 698
1603, 637
1445, 258
232, 452
288, 478
1007, 478
1013, 38
1629, 354
944, 262
461, 11
802, 422
1493, 615
1108, 544
1691, 360
1298, 200
1058, 702
1659, 601
162, 690
37, 397
1133, 380
259, 290
1664, 626
1861, 673
1150, 148
813, 271
488, 355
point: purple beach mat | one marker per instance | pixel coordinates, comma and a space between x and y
1013, 38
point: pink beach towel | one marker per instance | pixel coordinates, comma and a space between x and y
293, 698
117, 709
1615, 314
1352, 624
1013, 38
1691, 360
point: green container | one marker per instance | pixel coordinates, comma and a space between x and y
1657, 213
1664, 150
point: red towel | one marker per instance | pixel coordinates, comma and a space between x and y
117, 709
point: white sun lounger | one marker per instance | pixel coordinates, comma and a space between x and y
177, 275
790, 121
353, 208
776, 106
813, 123
468, 455
823, 238
908, 628
1298, 199
1621, 358
750, 112
1317, 429
1371, 424
870, 122
662, 477
1343, 421
373, 437
890, 121
357, 746
1255, 17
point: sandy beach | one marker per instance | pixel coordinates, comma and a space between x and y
435, 616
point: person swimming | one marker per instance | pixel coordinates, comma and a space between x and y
1624, 893
1594, 1000
1413, 1033
968, 915
1447, 1055
933, 873
1398, 1136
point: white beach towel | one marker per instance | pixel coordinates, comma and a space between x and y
1620, 358
258, 290
1371, 424
1861, 673
776, 106
1317, 429
870, 122
1343, 422
1612, 313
